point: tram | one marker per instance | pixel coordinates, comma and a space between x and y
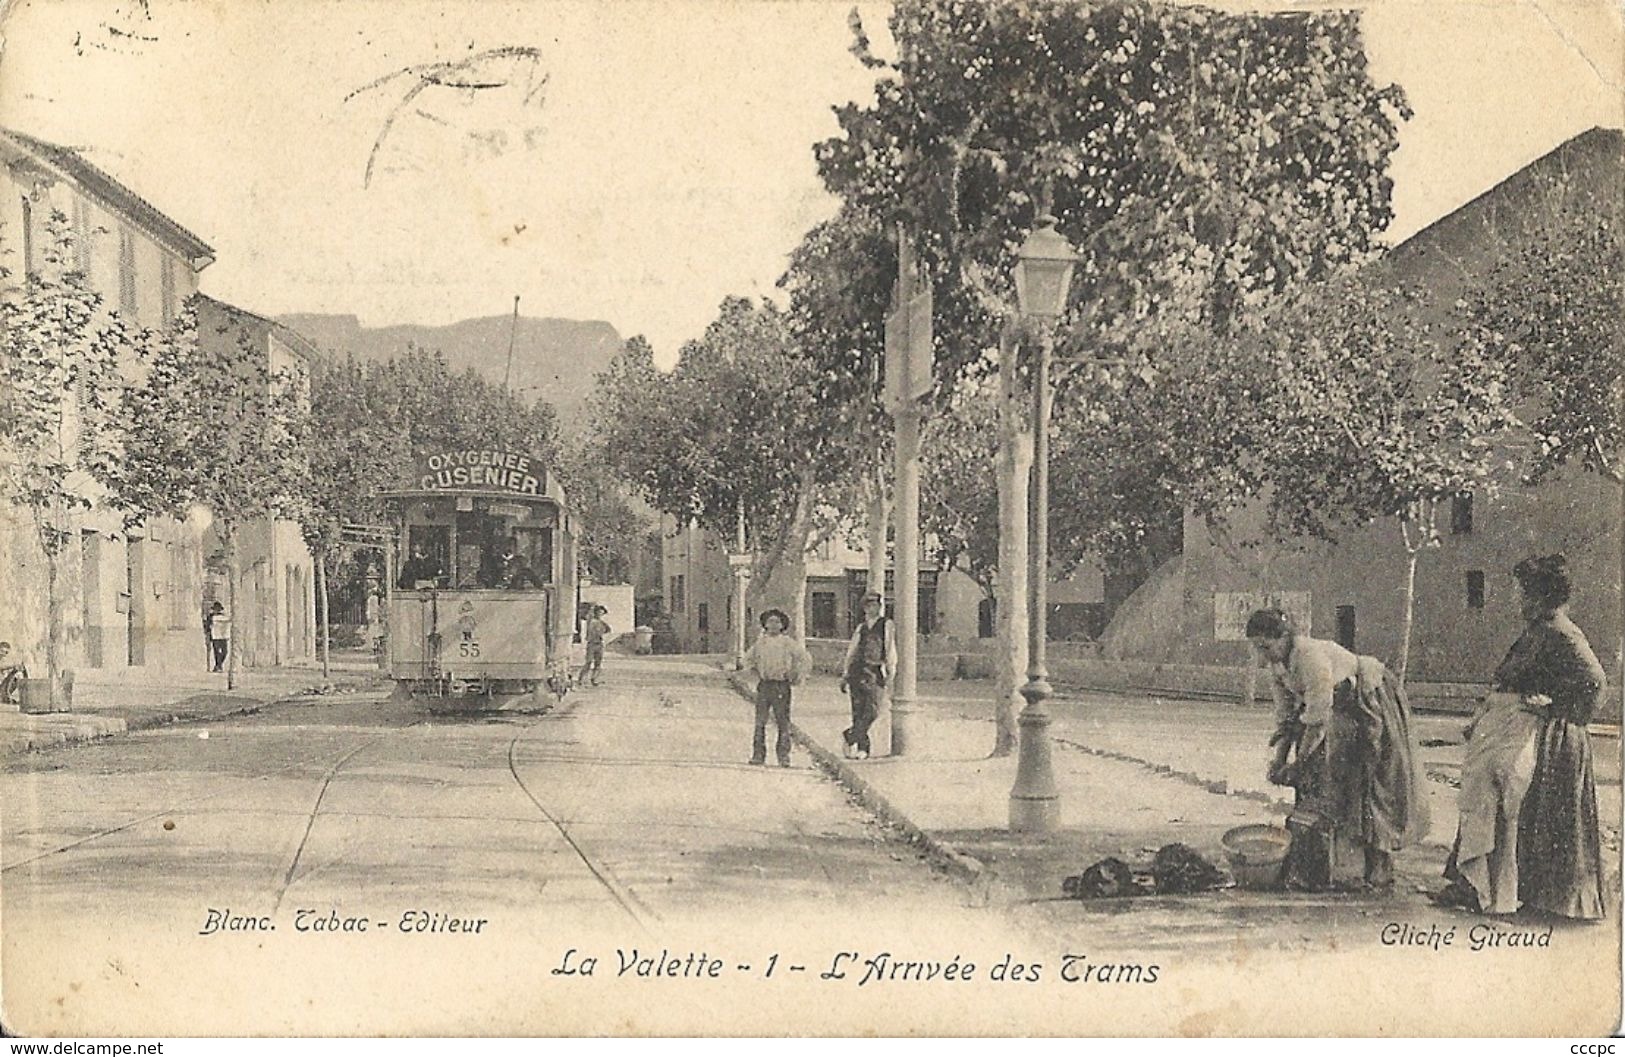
483, 605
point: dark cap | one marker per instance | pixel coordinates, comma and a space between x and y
783, 618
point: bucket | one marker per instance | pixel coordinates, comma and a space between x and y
1257, 853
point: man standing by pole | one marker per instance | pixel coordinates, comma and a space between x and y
870, 665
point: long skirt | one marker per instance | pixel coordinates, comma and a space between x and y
1375, 762
1361, 789
1559, 842
1495, 776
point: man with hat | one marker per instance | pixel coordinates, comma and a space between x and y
870, 660
780, 662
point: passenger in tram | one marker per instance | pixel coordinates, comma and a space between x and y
509, 570
421, 567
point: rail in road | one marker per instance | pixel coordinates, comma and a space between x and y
298, 869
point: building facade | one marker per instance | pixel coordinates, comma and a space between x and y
130, 597
133, 596
276, 594
952, 605
1466, 601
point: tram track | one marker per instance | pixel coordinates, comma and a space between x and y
316, 808
181, 806
621, 895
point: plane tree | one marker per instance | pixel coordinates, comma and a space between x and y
60, 433
1202, 163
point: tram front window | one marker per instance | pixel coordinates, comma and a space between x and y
428, 548
496, 554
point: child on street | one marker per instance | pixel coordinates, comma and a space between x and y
593, 632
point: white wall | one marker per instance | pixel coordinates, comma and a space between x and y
617, 598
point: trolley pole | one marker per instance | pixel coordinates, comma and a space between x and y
513, 330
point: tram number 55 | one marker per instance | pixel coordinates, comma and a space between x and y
468, 649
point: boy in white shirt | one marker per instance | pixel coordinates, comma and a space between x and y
779, 662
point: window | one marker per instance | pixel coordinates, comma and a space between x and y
29, 266
704, 613
1475, 588
126, 275
823, 615
167, 289
1345, 627
81, 236
677, 601
435, 542
1461, 514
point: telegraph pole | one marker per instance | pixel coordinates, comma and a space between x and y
740, 572
905, 363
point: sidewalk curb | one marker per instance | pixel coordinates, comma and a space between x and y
962, 867
90, 727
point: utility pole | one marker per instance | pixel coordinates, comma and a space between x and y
908, 361
740, 574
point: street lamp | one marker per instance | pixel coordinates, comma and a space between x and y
1043, 277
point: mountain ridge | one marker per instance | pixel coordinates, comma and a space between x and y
553, 359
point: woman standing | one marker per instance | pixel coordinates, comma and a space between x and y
1557, 675
1356, 771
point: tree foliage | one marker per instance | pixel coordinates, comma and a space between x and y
371, 422
738, 424
60, 390
357, 447
1201, 162
60, 386
718, 430
1198, 160
1377, 418
959, 496
613, 528
212, 425
1550, 311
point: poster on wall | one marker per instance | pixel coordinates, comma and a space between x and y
1232, 608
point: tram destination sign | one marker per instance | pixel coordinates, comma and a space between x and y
483, 470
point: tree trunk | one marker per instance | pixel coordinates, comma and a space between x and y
54, 631
1423, 513
322, 618
1015, 460
228, 541
779, 578
782, 585
1404, 661
387, 640
1263, 572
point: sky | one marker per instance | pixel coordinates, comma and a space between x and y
625, 161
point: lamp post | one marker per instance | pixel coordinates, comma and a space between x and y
1043, 276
